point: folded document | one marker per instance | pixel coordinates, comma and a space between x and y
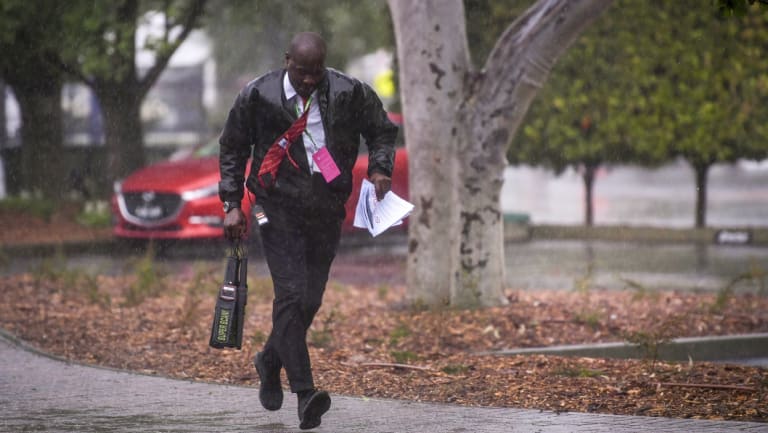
377, 216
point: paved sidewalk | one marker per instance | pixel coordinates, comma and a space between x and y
40, 393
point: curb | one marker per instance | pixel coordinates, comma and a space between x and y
728, 348
15, 341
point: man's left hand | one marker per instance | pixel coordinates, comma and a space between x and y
382, 183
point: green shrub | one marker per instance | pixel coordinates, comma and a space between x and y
403, 357
30, 206
401, 331
95, 214
150, 279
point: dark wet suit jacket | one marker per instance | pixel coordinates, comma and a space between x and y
349, 109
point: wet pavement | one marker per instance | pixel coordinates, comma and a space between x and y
552, 264
44, 394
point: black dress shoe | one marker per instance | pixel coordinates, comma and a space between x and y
270, 389
312, 405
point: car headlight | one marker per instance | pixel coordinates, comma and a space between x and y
199, 193
117, 187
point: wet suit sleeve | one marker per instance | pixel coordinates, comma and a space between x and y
235, 147
379, 132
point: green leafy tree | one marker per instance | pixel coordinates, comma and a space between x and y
459, 122
30, 33
707, 93
102, 54
663, 81
737, 7
586, 115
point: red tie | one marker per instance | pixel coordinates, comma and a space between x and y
279, 149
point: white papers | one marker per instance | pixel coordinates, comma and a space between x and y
377, 216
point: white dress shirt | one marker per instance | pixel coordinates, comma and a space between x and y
314, 135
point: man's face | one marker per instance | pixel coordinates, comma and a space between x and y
305, 71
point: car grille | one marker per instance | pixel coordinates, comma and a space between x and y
149, 208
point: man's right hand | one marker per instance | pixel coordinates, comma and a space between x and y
234, 224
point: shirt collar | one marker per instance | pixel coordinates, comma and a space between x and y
288, 89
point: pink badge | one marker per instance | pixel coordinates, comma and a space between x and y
327, 165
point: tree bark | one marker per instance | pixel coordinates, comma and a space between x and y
589, 188
458, 124
433, 60
123, 130
42, 166
702, 171
499, 98
121, 90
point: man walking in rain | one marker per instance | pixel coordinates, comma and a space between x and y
302, 125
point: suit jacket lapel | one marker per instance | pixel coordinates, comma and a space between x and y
297, 150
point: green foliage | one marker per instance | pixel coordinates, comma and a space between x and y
382, 291
486, 21
401, 331
323, 337
404, 357
150, 279
641, 291
730, 8
588, 317
661, 81
32, 206
650, 341
73, 281
95, 214
104, 45
454, 369
201, 284
258, 338
756, 275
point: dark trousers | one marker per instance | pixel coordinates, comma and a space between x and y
299, 246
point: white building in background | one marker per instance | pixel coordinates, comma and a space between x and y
174, 111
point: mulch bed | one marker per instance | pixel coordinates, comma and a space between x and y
364, 342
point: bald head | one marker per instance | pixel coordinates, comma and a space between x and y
305, 62
307, 43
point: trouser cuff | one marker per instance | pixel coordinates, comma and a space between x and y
303, 385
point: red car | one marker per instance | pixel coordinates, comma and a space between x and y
178, 199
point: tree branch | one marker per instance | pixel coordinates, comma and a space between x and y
388, 365
68, 68
162, 57
528, 49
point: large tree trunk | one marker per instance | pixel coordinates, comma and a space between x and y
42, 165
123, 131
433, 60
702, 171
481, 274
516, 69
458, 124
